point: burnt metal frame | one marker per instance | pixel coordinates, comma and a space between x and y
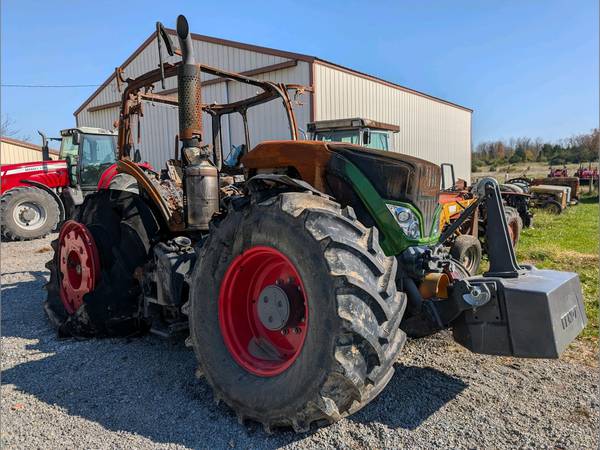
141, 88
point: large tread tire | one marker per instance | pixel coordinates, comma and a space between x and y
124, 229
515, 224
124, 182
467, 250
353, 339
11, 229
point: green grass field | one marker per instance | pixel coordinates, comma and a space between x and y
568, 242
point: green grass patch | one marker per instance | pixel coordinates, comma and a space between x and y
568, 242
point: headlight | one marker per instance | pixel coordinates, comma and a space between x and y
407, 220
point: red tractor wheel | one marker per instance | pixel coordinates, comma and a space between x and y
79, 264
307, 324
263, 311
92, 289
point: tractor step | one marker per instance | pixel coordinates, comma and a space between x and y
535, 315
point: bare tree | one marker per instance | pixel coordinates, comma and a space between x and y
7, 127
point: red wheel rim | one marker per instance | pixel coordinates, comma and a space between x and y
79, 264
259, 346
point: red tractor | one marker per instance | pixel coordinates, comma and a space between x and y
557, 173
37, 196
587, 175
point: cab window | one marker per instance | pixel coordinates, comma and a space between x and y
379, 140
97, 154
349, 136
67, 148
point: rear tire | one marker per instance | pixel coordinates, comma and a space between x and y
354, 311
552, 207
28, 213
466, 249
515, 224
124, 182
123, 229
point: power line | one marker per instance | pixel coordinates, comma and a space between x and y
49, 85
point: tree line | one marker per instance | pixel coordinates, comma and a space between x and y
579, 148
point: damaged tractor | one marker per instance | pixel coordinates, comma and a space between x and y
298, 267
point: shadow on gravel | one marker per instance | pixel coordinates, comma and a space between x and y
412, 395
147, 386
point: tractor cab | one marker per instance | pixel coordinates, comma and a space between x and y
88, 152
364, 132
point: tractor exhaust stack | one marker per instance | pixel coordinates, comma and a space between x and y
200, 176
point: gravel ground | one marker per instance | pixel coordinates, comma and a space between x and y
141, 393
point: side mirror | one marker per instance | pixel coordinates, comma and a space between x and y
452, 177
366, 137
75, 138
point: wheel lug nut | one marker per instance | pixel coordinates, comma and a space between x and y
297, 330
284, 331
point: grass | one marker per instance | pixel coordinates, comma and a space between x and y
568, 242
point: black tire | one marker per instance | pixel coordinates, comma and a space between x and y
466, 249
124, 182
123, 228
515, 224
37, 205
552, 207
353, 336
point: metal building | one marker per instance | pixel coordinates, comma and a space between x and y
430, 128
14, 151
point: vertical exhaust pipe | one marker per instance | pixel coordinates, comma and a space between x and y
188, 89
200, 176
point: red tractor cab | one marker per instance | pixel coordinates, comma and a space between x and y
37, 196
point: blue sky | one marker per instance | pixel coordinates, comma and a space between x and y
527, 68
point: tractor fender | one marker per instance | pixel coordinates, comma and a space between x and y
53, 194
112, 171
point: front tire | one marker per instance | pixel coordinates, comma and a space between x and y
466, 249
28, 213
353, 312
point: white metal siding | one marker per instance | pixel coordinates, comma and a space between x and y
159, 123
269, 121
429, 129
217, 55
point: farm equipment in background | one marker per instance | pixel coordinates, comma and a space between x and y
570, 182
467, 244
558, 172
550, 198
587, 175
37, 196
298, 281
365, 132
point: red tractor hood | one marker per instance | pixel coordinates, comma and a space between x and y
52, 174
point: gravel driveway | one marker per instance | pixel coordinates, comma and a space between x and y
141, 393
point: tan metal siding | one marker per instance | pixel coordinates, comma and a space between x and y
429, 129
11, 153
